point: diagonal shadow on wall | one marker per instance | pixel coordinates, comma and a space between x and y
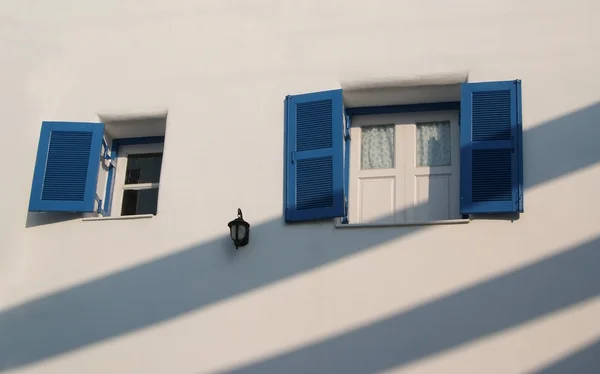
503, 302
198, 276
584, 361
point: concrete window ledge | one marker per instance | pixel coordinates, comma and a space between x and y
139, 216
340, 225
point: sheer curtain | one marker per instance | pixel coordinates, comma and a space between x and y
377, 147
433, 144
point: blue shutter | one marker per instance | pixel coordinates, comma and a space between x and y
66, 167
314, 156
491, 163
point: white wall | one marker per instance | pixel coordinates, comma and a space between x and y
171, 295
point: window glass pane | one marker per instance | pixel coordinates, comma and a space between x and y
143, 168
377, 147
433, 144
139, 202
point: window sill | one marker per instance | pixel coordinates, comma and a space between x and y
340, 225
119, 218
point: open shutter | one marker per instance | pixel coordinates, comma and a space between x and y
491, 167
314, 156
66, 167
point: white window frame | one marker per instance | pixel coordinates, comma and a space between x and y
120, 186
402, 209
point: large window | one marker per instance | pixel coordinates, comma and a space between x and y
404, 164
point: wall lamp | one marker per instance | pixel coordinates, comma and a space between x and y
239, 230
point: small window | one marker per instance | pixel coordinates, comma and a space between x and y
137, 182
140, 191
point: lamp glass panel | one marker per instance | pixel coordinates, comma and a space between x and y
241, 232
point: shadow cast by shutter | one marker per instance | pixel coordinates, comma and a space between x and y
47, 218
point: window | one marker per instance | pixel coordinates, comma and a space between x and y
110, 168
137, 179
404, 163
404, 168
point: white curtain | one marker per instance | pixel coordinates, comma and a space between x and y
433, 144
377, 147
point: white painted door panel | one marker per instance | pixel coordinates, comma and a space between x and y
432, 191
373, 192
377, 199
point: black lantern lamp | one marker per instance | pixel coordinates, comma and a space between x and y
240, 230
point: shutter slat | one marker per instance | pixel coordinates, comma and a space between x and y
67, 165
314, 179
490, 148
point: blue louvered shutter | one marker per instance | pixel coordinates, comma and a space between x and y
66, 167
314, 156
491, 166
